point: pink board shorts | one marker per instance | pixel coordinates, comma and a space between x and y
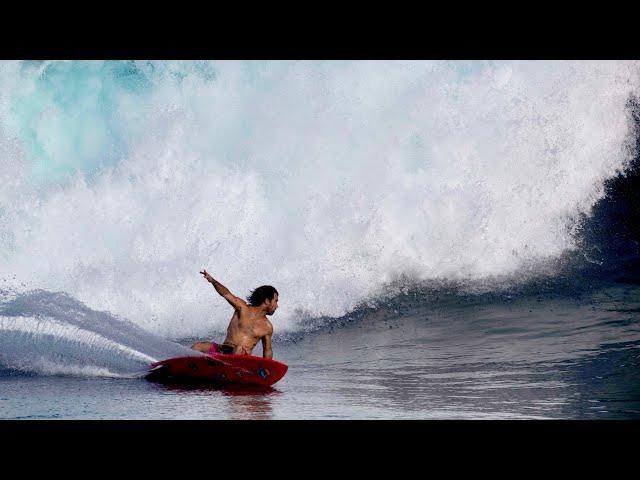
217, 348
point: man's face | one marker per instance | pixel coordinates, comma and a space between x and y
272, 304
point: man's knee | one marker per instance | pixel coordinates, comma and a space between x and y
201, 346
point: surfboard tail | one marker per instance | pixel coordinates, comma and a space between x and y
157, 372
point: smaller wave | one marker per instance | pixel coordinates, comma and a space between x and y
570, 277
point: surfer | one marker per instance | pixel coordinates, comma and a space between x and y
249, 322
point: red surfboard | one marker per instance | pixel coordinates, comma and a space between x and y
219, 368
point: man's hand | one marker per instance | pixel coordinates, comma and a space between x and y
235, 302
207, 277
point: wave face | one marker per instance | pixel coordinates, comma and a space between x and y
119, 181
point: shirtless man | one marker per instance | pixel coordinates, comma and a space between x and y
249, 322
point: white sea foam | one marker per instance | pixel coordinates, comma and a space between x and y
324, 179
45, 345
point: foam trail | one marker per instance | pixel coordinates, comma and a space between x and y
49, 333
121, 180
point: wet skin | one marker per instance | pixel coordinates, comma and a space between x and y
248, 325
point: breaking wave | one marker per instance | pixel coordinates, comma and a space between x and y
332, 181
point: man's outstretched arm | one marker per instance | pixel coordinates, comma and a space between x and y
235, 302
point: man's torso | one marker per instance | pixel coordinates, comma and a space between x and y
246, 329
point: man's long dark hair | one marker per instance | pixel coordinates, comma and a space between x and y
260, 294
